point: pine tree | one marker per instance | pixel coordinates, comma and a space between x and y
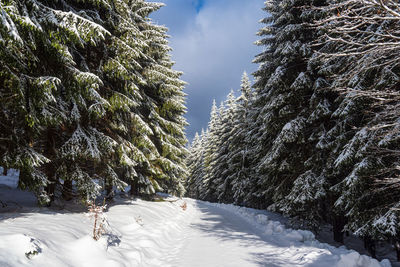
195, 167
221, 187
163, 108
284, 88
39, 72
87, 145
103, 103
210, 151
238, 155
367, 115
195, 181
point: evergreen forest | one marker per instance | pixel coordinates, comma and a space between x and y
88, 99
91, 105
317, 135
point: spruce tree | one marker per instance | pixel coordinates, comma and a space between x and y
284, 88
210, 151
221, 187
196, 187
39, 73
163, 90
97, 101
368, 79
195, 167
238, 161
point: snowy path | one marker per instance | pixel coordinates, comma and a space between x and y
219, 237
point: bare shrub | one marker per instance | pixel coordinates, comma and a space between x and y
100, 220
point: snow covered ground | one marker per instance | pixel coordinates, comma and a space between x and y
164, 233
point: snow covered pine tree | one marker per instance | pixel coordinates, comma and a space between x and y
82, 95
288, 115
367, 34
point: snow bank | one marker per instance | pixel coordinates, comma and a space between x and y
355, 259
139, 233
260, 220
142, 233
18, 249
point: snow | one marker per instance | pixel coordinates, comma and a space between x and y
18, 248
9, 25
162, 233
291, 131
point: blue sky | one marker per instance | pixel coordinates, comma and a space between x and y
212, 42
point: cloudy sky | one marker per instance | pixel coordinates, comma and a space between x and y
212, 43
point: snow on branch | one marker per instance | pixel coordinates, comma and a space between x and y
364, 31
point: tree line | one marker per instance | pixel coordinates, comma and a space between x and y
89, 102
317, 135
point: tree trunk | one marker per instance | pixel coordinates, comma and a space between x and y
4, 171
67, 192
51, 189
109, 191
338, 223
49, 168
134, 188
369, 245
397, 248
